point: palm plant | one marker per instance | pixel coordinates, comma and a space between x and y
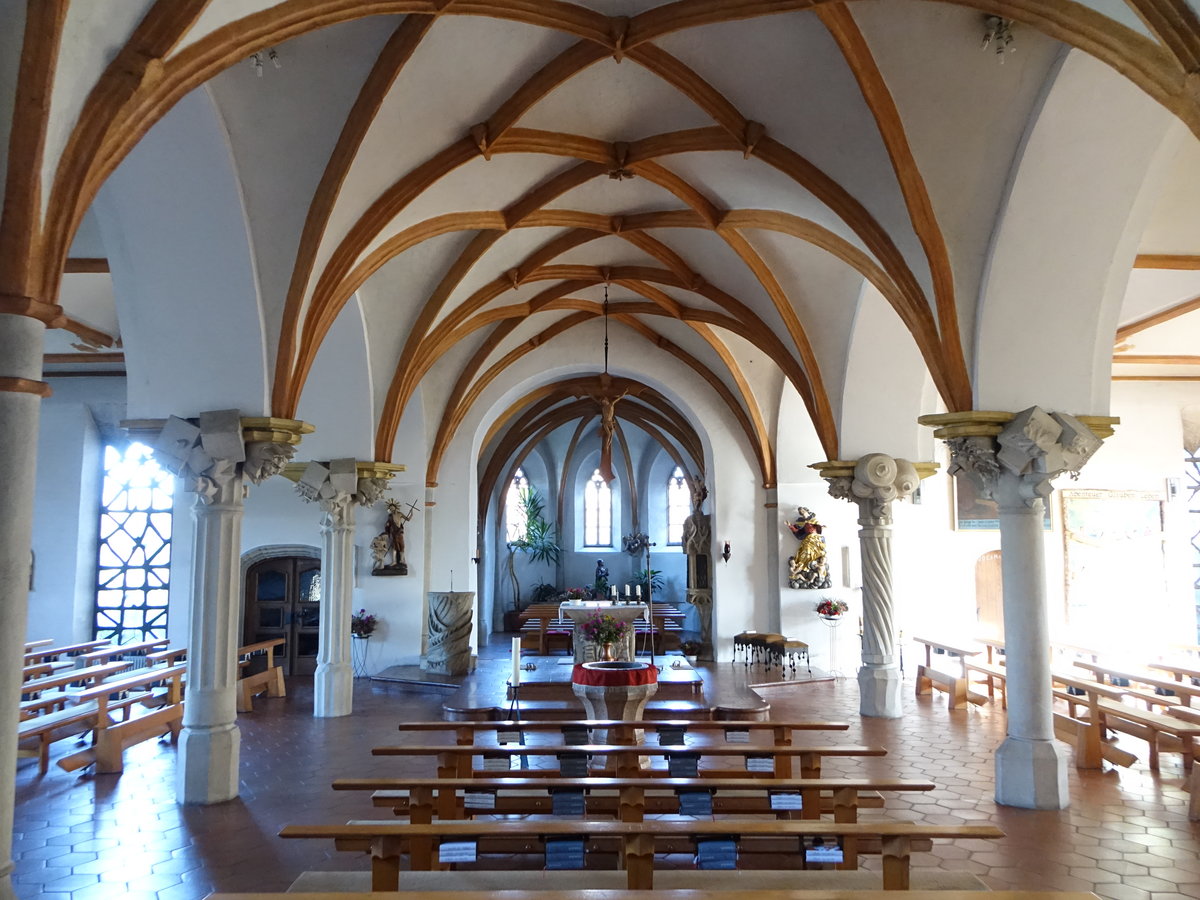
538, 540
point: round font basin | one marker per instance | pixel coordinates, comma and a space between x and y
608, 666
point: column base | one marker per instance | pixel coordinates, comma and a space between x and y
207, 770
879, 691
1031, 774
333, 690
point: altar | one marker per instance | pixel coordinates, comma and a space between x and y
578, 612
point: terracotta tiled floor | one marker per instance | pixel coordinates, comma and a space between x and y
1126, 835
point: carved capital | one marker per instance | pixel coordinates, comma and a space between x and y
873, 482
1025, 450
266, 458
362, 482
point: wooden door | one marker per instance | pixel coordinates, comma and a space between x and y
989, 594
283, 597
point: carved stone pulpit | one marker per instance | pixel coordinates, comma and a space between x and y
449, 639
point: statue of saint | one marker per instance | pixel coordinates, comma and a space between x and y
601, 584
390, 542
808, 569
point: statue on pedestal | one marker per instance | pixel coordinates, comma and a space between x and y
390, 542
808, 569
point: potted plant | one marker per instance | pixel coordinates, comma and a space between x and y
605, 630
691, 650
363, 624
538, 541
832, 609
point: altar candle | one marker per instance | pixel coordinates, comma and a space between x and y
516, 661
638, 588
614, 592
626, 591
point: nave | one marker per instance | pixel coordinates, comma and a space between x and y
1124, 837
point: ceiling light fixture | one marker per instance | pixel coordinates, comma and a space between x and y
999, 32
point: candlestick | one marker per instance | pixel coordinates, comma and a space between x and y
638, 588
516, 662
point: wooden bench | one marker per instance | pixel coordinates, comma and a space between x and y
52, 690
957, 687
51, 726
41, 654
994, 676
628, 799
1178, 670
669, 731
269, 679
456, 760
387, 841
1086, 734
1162, 691
124, 651
33, 645
712, 893
111, 739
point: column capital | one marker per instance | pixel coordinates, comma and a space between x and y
19, 305
213, 449
873, 481
1014, 457
341, 481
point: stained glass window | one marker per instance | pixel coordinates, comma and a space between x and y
514, 516
679, 506
597, 512
135, 547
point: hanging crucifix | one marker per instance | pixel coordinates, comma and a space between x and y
607, 397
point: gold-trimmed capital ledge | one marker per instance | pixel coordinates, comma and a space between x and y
844, 468
257, 428
293, 471
989, 423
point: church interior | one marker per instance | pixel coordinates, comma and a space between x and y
817, 377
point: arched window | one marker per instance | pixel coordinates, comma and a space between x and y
135, 547
678, 506
514, 515
597, 512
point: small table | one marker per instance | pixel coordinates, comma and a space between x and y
587, 651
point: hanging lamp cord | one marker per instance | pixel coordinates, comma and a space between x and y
606, 328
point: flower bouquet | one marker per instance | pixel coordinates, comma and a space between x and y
578, 593
602, 628
362, 624
832, 609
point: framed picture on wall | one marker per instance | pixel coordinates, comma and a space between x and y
971, 512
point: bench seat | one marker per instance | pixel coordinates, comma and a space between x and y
49, 727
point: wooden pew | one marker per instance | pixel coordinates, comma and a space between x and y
1178, 670
387, 841
111, 738
1162, 691
41, 654
669, 731
33, 645
269, 680
628, 799
664, 894
993, 675
957, 687
1087, 734
104, 654
51, 691
170, 656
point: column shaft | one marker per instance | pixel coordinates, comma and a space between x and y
207, 770
879, 677
21, 341
333, 687
1031, 767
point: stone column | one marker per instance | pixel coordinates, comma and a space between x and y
1012, 458
21, 393
873, 482
215, 456
339, 486
207, 769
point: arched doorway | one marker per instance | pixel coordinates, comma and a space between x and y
283, 596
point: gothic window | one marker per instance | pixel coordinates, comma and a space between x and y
514, 516
679, 502
135, 547
597, 512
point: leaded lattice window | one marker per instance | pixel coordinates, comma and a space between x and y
679, 506
134, 569
597, 512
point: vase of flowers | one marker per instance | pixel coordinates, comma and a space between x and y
832, 609
578, 595
605, 630
363, 624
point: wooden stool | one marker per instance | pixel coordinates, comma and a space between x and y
760, 645
792, 649
742, 643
